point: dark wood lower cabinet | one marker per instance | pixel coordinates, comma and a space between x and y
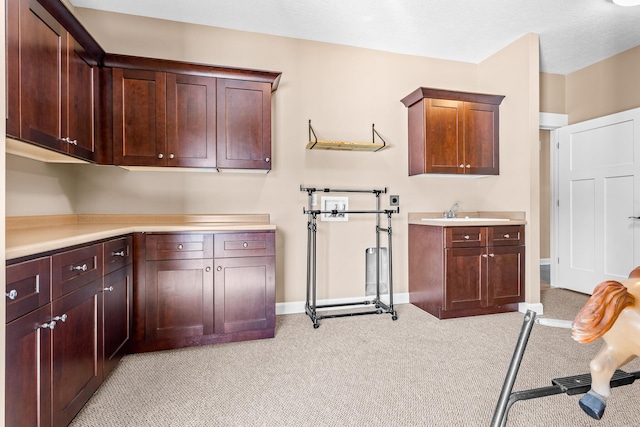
466, 271
117, 315
196, 289
179, 298
245, 298
77, 351
28, 370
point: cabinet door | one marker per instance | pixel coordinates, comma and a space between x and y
244, 294
481, 139
80, 111
117, 313
139, 118
28, 370
77, 350
191, 121
244, 124
465, 278
506, 274
179, 299
444, 141
42, 41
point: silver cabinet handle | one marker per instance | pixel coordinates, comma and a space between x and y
492, 255
468, 166
82, 267
160, 156
219, 268
208, 269
62, 318
484, 255
267, 160
70, 141
180, 246
171, 156
461, 166
12, 294
109, 289
119, 253
50, 325
466, 237
506, 236
245, 245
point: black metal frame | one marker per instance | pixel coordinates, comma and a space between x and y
576, 384
311, 306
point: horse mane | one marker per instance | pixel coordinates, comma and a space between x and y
601, 311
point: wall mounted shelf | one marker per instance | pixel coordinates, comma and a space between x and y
320, 144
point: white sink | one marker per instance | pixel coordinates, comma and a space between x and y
464, 219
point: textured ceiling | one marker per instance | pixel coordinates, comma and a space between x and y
573, 33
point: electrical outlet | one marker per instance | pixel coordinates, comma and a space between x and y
394, 200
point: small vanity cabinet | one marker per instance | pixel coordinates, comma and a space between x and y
453, 132
466, 271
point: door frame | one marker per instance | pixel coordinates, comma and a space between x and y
552, 122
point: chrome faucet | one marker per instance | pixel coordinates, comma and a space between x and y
451, 213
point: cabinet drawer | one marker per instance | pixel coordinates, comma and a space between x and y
73, 269
117, 254
179, 246
510, 235
28, 286
229, 245
465, 237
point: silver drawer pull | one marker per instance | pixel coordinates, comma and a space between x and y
120, 253
466, 237
109, 289
245, 245
468, 166
50, 325
461, 166
506, 236
180, 246
492, 255
62, 318
484, 255
12, 294
82, 267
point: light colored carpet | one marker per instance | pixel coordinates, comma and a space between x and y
361, 371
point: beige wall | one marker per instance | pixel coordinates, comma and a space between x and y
607, 87
343, 90
552, 93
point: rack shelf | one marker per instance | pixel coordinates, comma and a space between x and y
321, 144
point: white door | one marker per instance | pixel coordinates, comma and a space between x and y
599, 194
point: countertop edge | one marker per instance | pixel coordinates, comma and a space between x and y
30, 242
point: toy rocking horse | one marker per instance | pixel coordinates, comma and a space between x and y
613, 313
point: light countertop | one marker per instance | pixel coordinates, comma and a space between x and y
467, 219
32, 235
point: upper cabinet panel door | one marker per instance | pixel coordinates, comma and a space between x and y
443, 140
139, 118
480, 138
42, 41
82, 81
191, 121
244, 125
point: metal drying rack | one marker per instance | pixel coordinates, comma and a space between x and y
311, 306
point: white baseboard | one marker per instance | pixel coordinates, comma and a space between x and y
298, 306
537, 307
545, 261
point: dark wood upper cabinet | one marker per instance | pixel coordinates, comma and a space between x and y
453, 132
139, 117
244, 125
50, 82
